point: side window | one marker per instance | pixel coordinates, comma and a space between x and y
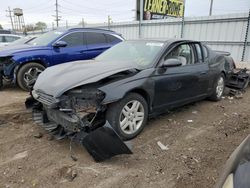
205, 52
112, 39
199, 53
1, 39
73, 39
10, 38
95, 38
182, 52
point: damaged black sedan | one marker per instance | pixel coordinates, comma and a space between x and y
103, 101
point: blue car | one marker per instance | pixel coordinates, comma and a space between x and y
23, 63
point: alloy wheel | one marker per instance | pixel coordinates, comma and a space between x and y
132, 117
220, 87
31, 75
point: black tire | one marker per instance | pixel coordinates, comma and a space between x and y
114, 112
216, 96
21, 75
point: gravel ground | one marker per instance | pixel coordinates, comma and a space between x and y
196, 150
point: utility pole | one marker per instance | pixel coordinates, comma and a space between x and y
57, 17
183, 19
109, 21
82, 22
141, 18
211, 7
10, 16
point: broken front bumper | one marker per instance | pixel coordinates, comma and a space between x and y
102, 143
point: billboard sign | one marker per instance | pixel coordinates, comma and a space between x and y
161, 9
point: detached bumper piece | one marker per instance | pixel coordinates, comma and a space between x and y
239, 80
102, 143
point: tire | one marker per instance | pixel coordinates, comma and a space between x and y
27, 75
132, 128
219, 88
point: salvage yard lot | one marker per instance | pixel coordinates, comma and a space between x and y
196, 154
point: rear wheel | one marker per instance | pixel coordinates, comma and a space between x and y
27, 75
219, 88
128, 116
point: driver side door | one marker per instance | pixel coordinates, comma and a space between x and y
176, 86
75, 49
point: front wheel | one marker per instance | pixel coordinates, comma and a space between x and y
27, 75
219, 88
128, 116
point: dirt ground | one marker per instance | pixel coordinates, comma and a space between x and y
196, 154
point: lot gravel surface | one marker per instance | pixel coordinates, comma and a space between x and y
197, 140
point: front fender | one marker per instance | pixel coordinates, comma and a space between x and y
117, 90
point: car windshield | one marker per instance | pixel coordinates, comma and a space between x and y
22, 40
46, 38
139, 53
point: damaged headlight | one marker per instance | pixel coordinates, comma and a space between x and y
6, 60
81, 100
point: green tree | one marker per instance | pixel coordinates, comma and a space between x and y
1, 26
41, 26
30, 27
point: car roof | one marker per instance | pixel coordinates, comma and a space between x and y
86, 29
164, 40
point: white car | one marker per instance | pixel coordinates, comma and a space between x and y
5, 39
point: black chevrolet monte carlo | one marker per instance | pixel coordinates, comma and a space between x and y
102, 102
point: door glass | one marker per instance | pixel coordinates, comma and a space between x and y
1, 39
199, 53
112, 39
73, 39
95, 38
182, 52
205, 52
10, 38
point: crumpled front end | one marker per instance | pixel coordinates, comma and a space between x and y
7, 65
80, 115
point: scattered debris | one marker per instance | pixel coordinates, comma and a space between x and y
194, 112
239, 80
67, 173
38, 135
20, 155
196, 160
221, 106
236, 93
50, 137
190, 121
162, 146
230, 98
2, 122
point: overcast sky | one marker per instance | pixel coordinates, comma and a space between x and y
96, 11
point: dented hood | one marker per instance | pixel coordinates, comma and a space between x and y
58, 79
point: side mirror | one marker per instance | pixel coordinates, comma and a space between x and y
59, 44
172, 63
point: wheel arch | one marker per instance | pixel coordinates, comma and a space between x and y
17, 68
143, 93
